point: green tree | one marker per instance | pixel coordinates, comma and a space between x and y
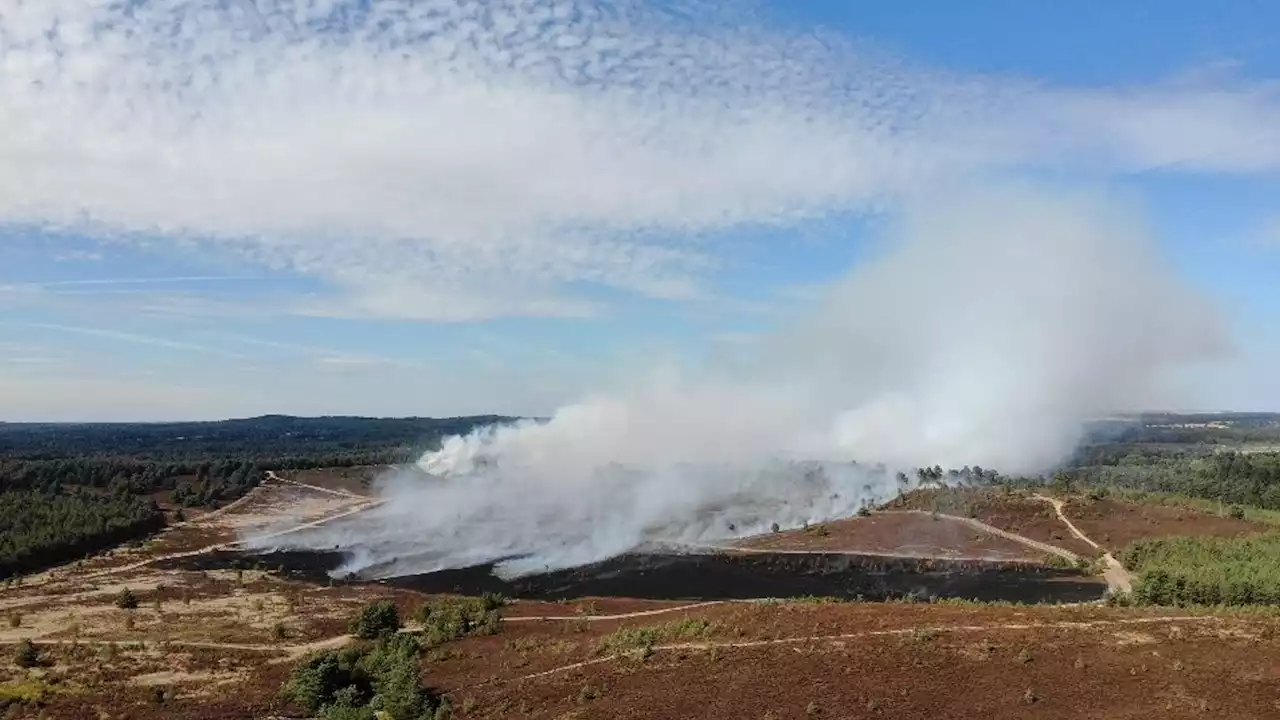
376, 620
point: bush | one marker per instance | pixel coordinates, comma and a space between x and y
376, 620
126, 600
26, 655
318, 680
447, 620
362, 683
1235, 512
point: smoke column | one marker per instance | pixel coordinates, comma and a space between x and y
993, 323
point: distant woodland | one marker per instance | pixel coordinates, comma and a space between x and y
71, 490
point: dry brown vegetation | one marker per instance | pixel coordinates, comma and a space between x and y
1015, 512
1114, 523
897, 533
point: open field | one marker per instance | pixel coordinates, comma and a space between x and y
899, 533
1114, 524
215, 632
1018, 513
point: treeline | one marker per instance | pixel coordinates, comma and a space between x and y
205, 484
1227, 477
1206, 570
42, 529
346, 440
89, 485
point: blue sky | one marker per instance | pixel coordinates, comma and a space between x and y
501, 212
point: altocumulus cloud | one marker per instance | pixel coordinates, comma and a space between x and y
455, 160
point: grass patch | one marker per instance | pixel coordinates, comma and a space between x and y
644, 638
1210, 507
27, 692
1184, 571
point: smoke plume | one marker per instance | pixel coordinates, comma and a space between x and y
992, 324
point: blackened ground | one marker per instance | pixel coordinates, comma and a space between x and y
715, 577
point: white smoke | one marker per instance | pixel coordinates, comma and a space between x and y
996, 321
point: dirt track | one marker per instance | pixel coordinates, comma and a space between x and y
1117, 577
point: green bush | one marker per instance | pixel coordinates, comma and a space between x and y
320, 680
644, 638
26, 655
452, 619
376, 620
361, 683
1206, 570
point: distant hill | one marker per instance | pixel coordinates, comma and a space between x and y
266, 436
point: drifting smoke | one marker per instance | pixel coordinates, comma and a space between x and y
994, 324
469, 159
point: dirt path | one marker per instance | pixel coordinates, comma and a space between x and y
1041, 547
364, 504
621, 616
1023, 540
271, 475
1118, 578
730, 644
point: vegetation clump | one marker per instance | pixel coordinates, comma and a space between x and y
452, 619
26, 655
645, 638
1205, 570
376, 620
363, 683
126, 600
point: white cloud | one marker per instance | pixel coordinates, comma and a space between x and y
461, 159
134, 338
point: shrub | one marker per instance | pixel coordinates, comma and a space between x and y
376, 620
126, 600
452, 619
1235, 512
316, 681
381, 680
15, 619
646, 637
26, 655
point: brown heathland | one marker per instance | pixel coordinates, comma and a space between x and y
1114, 524
897, 533
218, 645
1014, 512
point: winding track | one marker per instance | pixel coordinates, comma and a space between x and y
730, 644
1118, 578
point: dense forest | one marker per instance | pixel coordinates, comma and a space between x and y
1229, 477
43, 529
71, 490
